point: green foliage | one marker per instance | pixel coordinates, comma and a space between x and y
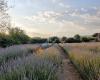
54, 40
70, 40
5, 40
18, 36
64, 39
38, 40
77, 38
87, 39
14, 36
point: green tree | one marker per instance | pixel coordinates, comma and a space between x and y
38, 40
71, 40
5, 40
78, 38
54, 40
64, 39
87, 39
18, 36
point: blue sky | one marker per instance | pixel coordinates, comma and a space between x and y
46, 18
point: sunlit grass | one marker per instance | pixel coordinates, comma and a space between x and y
86, 59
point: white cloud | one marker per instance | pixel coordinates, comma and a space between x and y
83, 9
64, 26
46, 16
53, 1
70, 28
64, 6
87, 17
56, 1
90, 18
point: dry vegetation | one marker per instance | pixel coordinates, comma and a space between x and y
86, 58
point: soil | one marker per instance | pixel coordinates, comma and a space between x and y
69, 72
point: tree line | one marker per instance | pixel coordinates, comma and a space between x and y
15, 36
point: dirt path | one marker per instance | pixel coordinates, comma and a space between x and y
69, 72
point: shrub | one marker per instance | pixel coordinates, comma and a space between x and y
30, 67
18, 36
5, 40
70, 40
38, 40
54, 40
64, 39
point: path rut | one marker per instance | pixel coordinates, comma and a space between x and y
69, 72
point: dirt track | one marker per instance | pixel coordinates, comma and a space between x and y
69, 72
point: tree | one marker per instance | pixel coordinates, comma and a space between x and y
64, 39
54, 40
18, 36
5, 40
77, 38
71, 40
38, 40
4, 17
88, 39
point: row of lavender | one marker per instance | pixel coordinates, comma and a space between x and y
20, 63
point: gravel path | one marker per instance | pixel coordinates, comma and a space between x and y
69, 72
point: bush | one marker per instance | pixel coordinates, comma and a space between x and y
70, 40
14, 36
38, 40
64, 39
23, 65
5, 40
18, 36
87, 39
78, 38
54, 40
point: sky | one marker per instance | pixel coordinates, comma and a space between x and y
45, 18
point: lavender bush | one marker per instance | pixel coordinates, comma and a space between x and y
29, 67
14, 52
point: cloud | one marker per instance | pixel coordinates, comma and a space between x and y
46, 16
37, 34
89, 18
83, 9
63, 5
72, 21
56, 1
53, 1
62, 20
70, 25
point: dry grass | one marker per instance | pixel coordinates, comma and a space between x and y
86, 58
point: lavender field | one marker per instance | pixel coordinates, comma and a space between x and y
22, 63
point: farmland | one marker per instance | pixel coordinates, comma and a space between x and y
49, 39
86, 59
21, 63
57, 62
